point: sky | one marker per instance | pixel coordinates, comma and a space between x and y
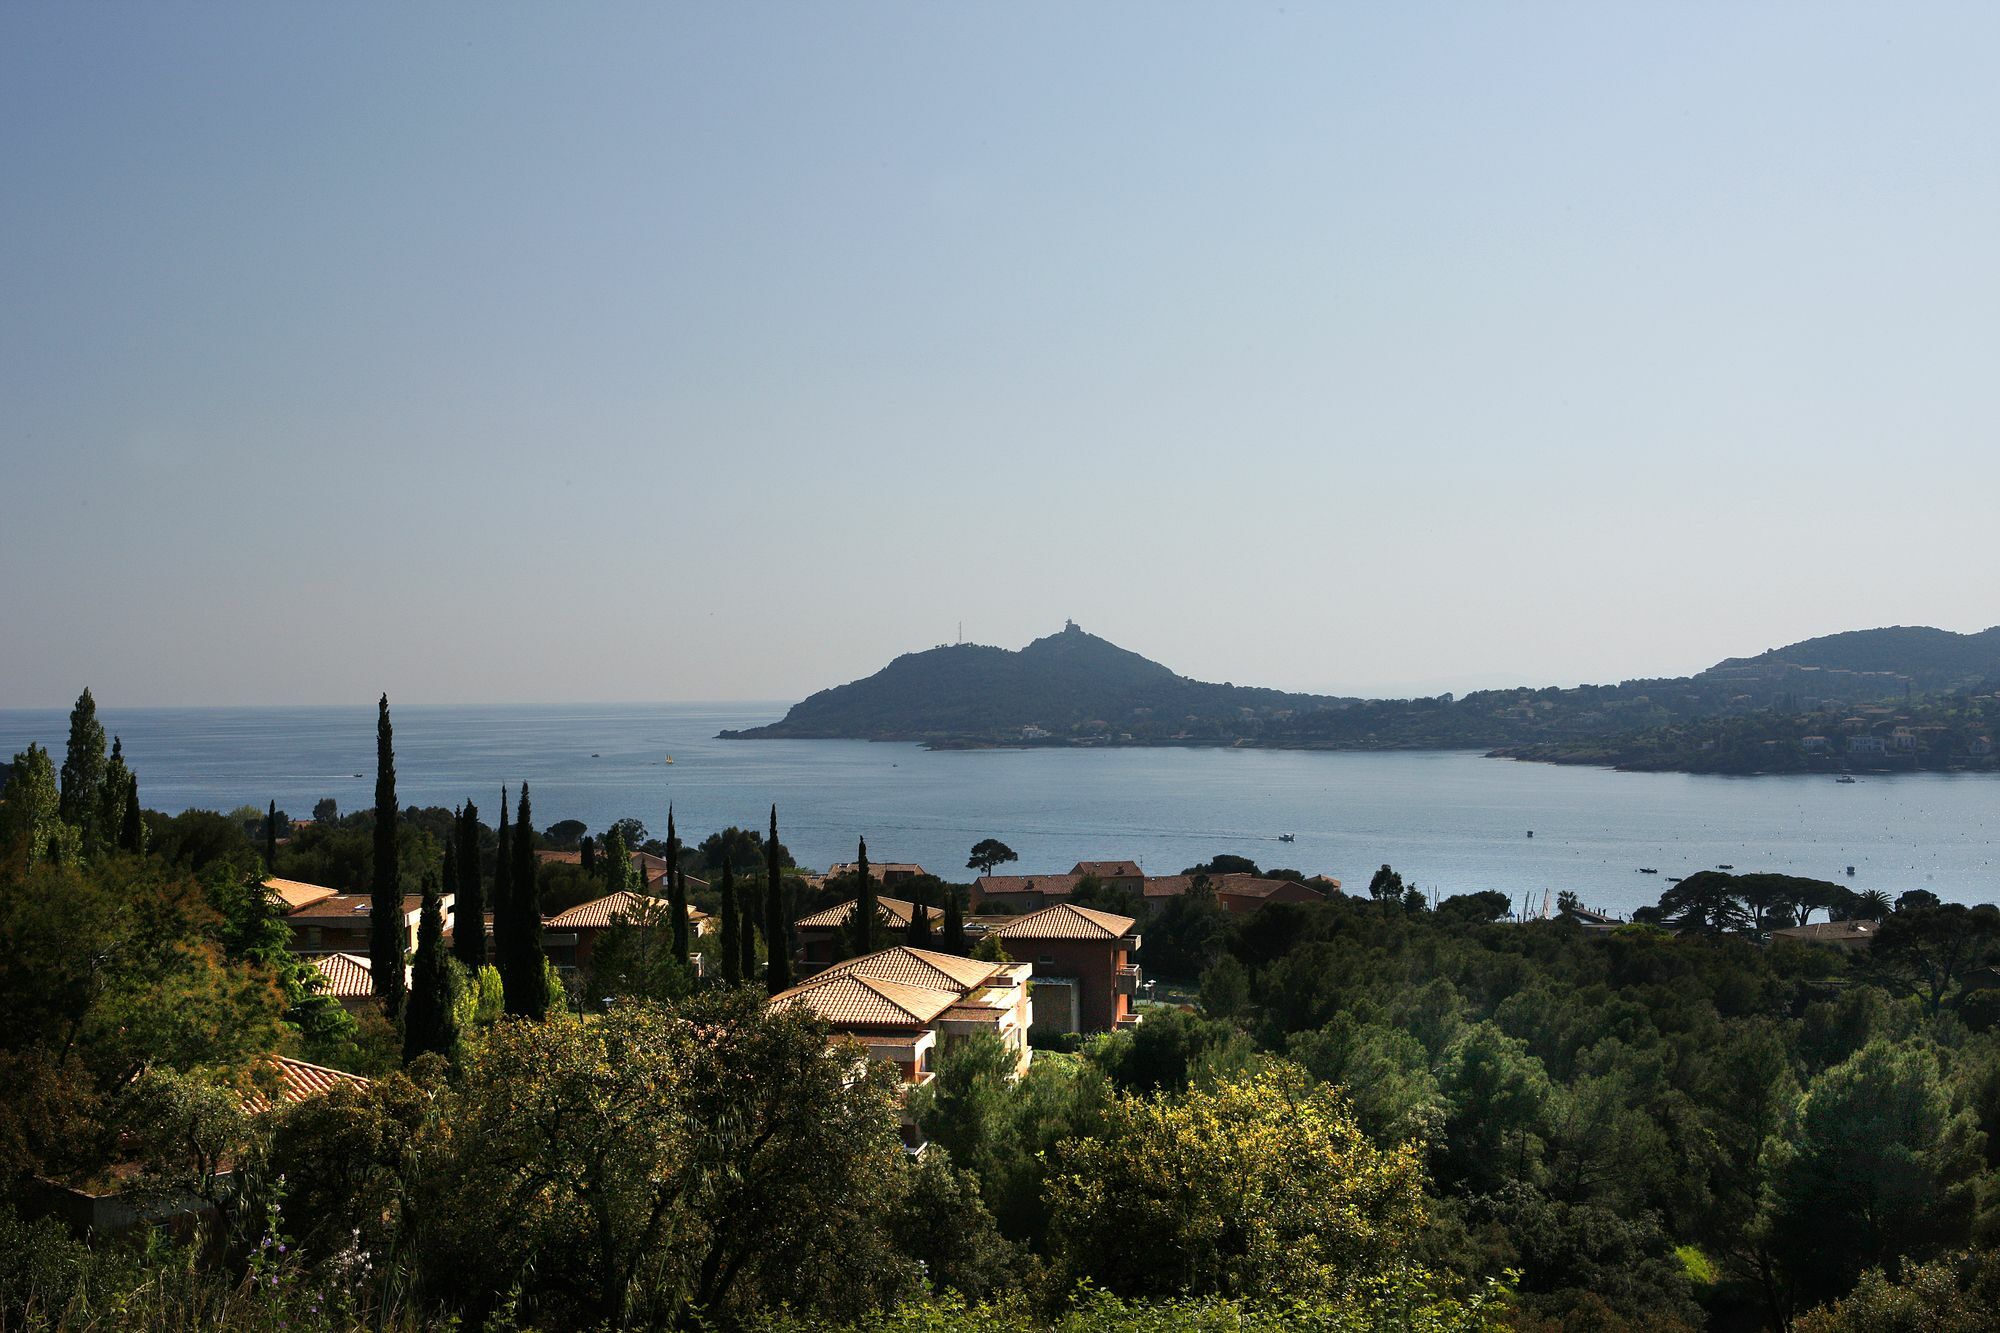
513, 353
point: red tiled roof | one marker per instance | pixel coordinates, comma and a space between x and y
297, 1081
899, 912
919, 967
602, 911
1108, 869
1066, 921
1055, 885
292, 894
344, 976
347, 907
847, 999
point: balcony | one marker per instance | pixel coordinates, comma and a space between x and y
1128, 980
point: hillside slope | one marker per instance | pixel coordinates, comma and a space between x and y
1072, 683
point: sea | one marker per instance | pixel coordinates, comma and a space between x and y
1449, 821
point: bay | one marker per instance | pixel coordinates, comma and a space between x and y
1451, 821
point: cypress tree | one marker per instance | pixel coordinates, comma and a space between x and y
132, 826
587, 854
110, 821
953, 940
271, 839
865, 921
617, 858
385, 914
527, 987
918, 935
732, 921
430, 1022
468, 936
83, 771
777, 936
503, 911
677, 894
746, 937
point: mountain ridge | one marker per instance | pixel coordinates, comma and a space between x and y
1076, 688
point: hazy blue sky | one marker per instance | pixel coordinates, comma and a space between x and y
600, 352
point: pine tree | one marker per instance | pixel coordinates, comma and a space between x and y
430, 1022
385, 914
503, 911
527, 982
677, 894
468, 936
864, 922
83, 771
732, 921
777, 935
271, 840
953, 939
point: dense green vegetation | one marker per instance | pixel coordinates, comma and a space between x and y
1379, 1115
1744, 715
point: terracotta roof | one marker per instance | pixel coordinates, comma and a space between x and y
346, 907
897, 910
601, 911
1108, 869
1058, 885
1237, 885
1825, 932
345, 976
847, 999
294, 894
1066, 921
919, 967
297, 1081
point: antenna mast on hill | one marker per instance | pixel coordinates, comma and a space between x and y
961, 631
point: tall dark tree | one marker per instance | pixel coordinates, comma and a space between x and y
132, 825
83, 771
525, 976
953, 938
271, 839
918, 934
987, 853
777, 945
864, 924
677, 894
111, 795
586, 851
385, 910
732, 922
746, 936
430, 1022
503, 876
468, 936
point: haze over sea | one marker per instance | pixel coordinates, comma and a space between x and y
1452, 821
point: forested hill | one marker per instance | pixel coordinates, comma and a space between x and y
1075, 688
1071, 684
1932, 659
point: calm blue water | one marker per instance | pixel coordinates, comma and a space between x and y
1452, 821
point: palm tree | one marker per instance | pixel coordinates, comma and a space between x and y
1871, 905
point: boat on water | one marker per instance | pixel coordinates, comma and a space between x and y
1850, 872
670, 759
1673, 879
1725, 866
1531, 833
1649, 870
1844, 778
1286, 837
